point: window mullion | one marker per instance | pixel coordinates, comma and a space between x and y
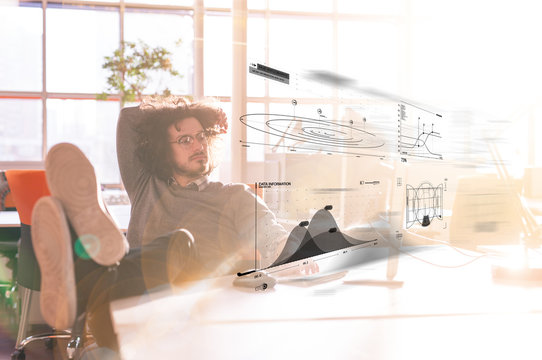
44, 82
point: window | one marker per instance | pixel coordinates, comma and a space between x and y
173, 30
357, 39
79, 36
51, 63
77, 41
90, 125
48, 88
21, 43
20, 129
218, 54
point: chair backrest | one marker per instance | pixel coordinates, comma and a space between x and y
27, 186
6, 200
8, 235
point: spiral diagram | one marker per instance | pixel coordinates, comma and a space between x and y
303, 133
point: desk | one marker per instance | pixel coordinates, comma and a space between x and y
9, 219
437, 313
121, 215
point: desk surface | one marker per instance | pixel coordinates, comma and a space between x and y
9, 219
436, 312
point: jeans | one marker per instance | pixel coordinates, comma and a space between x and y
168, 260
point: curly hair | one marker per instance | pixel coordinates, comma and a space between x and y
161, 112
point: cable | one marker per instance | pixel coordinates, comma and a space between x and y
442, 242
439, 265
474, 258
429, 239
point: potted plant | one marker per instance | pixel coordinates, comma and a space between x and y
129, 68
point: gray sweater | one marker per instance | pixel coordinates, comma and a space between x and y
222, 218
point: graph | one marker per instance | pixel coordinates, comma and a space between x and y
318, 236
423, 204
307, 134
419, 132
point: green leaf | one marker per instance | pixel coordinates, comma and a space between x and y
129, 66
102, 96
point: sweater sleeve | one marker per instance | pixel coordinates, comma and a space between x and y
131, 168
258, 226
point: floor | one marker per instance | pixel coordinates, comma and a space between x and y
8, 329
34, 351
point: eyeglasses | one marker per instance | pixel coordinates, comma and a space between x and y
188, 140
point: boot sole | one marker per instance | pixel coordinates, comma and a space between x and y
52, 244
72, 180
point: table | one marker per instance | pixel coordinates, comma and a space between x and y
9, 219
121, 215
429, 312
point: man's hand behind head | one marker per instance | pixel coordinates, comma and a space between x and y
222, 124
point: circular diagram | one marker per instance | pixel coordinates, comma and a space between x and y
297, 132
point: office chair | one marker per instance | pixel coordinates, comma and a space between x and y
27, 186
9, 237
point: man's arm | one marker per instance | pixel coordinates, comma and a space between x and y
258, 226
131, 168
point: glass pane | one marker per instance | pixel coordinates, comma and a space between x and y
219, 3
481, 64
301, 109
91, 125
223, 171
537, 120
302, 5
377, 66
291, 135
20, 130
77, 41
306, 49
20, 41
256, 45
256, 4
165, 29
217, 54
384, 7
254, 137
79, 1
163, 2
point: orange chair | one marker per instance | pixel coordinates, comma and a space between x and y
27, 186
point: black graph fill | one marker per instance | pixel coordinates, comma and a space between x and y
423, 204
319, 236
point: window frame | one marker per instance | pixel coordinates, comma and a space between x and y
239, 8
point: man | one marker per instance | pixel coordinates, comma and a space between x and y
166, 150
182, 227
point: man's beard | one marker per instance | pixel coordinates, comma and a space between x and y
202, 169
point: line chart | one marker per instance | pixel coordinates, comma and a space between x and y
419, 133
